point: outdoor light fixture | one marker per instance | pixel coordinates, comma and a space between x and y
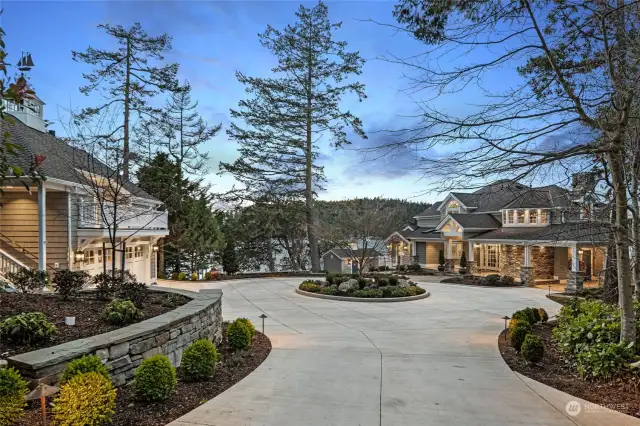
41, 393
263, 316
505, 318
79, 256
155, 248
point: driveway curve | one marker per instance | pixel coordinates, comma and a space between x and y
428, 362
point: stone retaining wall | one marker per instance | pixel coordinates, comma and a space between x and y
123, 350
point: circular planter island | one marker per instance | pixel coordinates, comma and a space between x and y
366, 288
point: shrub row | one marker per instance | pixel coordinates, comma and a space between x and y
520, 333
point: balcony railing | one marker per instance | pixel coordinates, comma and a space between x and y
127, 217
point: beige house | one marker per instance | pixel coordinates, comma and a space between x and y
58, 223
546, 234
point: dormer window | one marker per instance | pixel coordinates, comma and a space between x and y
520, 214
544, 217
510, 216
533, 216
453, 207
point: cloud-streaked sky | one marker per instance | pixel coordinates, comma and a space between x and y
211, 40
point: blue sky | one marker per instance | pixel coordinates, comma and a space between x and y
211, 40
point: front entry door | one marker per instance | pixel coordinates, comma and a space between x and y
489, 257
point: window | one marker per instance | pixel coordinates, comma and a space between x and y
108, 254
453, 207
510, 216
89, 256
99, 255
533, 216
520, 216
456, 249
544, 217
129, 253
138, 251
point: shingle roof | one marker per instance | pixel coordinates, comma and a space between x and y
545, 197
428, 233
482, 221
432, 210
349, 253
596, 233
61, 160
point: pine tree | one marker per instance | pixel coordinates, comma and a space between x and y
230, 258
127, 79
186, 132
288, 113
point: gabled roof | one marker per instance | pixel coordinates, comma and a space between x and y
592, 232
61, 159
425, 233
349, 253
476, 221
545, 197
432, 210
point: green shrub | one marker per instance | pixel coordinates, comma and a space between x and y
411, 290
441, 259
402, 268
130, 289
68, 283
493, 279
194, 276
387, 290
522, 316
310, 287
172, 301
362, 282
604, 360
506, 280
86, 364
175, 276
544, 316
393, 280
414, 267
331, 278
329, 291
238, 335
518, 334
27, 328
249, 325
154, 379
532, 349
368, 293
182, 276
105, 285
28, 280
463, 260
87, 399
199, 360
533, 314
383, 282
162, 275
13, 389
399, 292
121, 312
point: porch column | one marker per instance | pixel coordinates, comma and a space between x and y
527, 274
574, 280
448, 257
42, 226
471, 261
414, 254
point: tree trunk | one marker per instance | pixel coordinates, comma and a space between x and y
127, 87
610, 286
161, 256
621, 235
271, 260
311, 231
635, 234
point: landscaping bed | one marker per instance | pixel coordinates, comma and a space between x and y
493, 280
368, 286
86, 309
579, 354
553, 371
187, 395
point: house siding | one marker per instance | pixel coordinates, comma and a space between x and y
428, 222
433, 252
332, 264
19, 223
421, 252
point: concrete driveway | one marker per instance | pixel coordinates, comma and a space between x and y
429, 362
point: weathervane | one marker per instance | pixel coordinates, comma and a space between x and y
26, 62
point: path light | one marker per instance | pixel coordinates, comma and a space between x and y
263, 316
549, 288
41, 393
505, 318
70, 321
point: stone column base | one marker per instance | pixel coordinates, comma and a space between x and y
527, 276
574, 282
471, 267
448, 265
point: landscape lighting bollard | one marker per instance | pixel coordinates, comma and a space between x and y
263, 316
505, 318
549, 289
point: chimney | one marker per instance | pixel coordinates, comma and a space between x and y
52, 132
583, 182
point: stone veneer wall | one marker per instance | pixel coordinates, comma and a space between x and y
511, 258
123, 350
543, 261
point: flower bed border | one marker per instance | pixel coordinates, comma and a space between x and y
515, 285
363, 299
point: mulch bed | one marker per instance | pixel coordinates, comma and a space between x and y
187, 395
86, 309
477, 283
622, 393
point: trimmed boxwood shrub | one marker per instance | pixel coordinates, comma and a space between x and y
493, 279
182, 276
393, 280
249, 324
310, 287
399, 292
368, 293
383, 282
506, 280
87, 399
27, 328
86, 364
329, 291
544, 316
121, 312
518, 334
13, 389
199, 360
154, 379
69, 283
532, 349
238, 335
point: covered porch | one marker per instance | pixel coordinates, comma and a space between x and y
400, 251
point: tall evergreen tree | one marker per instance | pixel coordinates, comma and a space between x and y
186, 132
288, 113
128, 77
